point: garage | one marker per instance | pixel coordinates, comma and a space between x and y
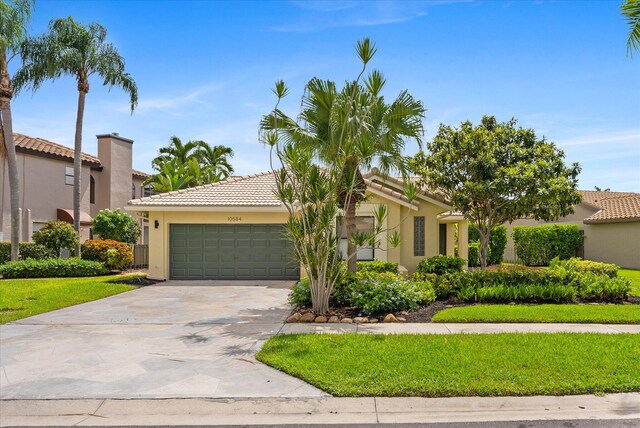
230, 251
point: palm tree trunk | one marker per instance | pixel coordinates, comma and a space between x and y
350, 222
77, 168
6, 94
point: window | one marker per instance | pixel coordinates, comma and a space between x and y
68, 176
418, 236
147, 190
363, 224
92, 190
133, 191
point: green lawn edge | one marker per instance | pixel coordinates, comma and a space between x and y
634, 276
456, 365
22, 298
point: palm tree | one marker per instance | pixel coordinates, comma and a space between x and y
13, 20
73, 49
631, 10
214, 160
353, 129
176, 150
173, 175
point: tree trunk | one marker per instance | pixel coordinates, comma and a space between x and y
77, 168
6, 94
484, 245
320, 297
350, 222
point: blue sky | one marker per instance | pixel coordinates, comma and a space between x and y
205, 70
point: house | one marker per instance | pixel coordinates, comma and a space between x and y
610, 222
233, 229
46, 183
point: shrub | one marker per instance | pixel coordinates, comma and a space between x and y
520, 293
441, 264
56, 235
386, 292
300, 294
115, 255
377, 266
116, 225
579, 265
497, 243
28, 250
602, 288
51, 268
538, 245
474, 254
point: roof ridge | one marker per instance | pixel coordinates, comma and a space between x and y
52, 143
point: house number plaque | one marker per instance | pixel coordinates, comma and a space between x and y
235, 219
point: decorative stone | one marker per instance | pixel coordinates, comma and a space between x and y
373, 320
333, 319
321, 319
390, 318
402, 319
295, 317
308, 317
361, 320
347, 320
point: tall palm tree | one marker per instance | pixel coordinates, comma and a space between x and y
177, 150
631, 10
71, 48
353, 129
214, 160
13, 21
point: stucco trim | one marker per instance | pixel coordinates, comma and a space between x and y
187, 208
612, 220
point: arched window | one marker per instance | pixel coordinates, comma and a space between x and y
133, 190
92, 190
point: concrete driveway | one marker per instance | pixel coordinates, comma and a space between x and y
176, 339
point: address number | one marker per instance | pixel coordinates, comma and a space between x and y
234, 218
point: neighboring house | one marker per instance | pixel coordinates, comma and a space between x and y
233, 229
46, 183
611, 225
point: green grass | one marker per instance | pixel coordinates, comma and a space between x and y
634, 276
21, 298
605, 314
359, 365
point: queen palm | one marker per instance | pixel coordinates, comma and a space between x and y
71, 48
176, 150
631, 11
214, 160
353, 129
13, 20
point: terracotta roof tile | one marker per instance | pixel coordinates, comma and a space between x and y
40, 145
615, 207
140, 174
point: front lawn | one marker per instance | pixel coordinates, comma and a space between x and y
634, 276
601, 313
21, 298
360, 365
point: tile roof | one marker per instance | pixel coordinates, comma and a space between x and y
614, 206
140, 174
40, 145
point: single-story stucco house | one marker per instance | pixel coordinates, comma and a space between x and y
610, 222
233, 229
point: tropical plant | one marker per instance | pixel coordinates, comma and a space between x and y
353, 129
117, 225
631, 11
73, 49
56, 235
496, 172
14, 16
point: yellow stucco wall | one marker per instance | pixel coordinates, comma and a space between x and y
617, 243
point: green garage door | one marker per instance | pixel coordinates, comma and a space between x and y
230, 251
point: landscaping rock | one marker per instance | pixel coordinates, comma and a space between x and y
333, 319
390, 318
308, 317
294, 317
361, 320
402, 319
347, 320
373, 320
321, 319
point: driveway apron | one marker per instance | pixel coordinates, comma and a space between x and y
177, 339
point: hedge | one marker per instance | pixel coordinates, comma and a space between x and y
579, 265
27, 250
115, 255
474, 254
52, 268
441, 264
497, 243
377, 266
538, 245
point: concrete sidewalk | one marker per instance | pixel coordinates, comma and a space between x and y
451, 328
194, 412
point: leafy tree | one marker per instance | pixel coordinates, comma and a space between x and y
631, 11
56, 235
73, 49
496, 172
353, 129
214, 161
117, 225
14, 16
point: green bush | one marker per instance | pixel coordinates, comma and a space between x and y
377, 266
116, 225
441, 264
497, 243
538, 245
27, 250
386, 292
51, 268
56, 235
474, 254
115, 255
601, 288
300, 294
520, 293
579, 265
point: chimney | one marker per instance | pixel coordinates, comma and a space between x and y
113, 183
